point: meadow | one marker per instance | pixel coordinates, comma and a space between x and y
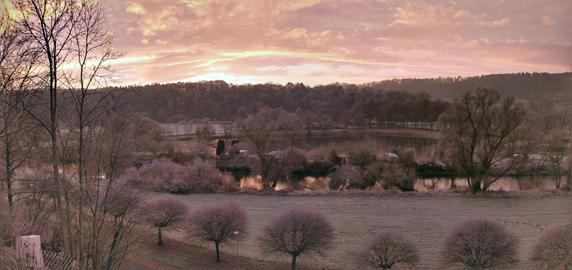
426, 219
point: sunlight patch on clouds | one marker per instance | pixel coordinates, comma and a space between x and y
314, 69
124, 60
496, 23
428, 14
136, 8
298, 70
547, 21
158, 23
230, 56
227, 77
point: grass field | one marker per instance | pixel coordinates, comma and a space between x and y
424, 218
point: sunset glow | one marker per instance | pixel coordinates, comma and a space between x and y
325, 41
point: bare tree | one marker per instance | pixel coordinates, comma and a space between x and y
90, 51
17, 133
548, 131
483, 128
556, 151
343, 176
73, 33
386, 250
297, 232
480, 244
268, 130
51, 24
164, 212
218, 224
111, 204
554, 251
205, 132
114, 209
258, 129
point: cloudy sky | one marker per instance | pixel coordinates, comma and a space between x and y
325, 41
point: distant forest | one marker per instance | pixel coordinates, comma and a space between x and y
519, 85
334, 104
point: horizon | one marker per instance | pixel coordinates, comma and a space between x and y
318, 42
345, 83
267, 135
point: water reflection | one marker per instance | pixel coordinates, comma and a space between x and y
507, 184
387, 139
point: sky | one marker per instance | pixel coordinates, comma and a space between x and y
327, 41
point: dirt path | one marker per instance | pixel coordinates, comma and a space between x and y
426, 220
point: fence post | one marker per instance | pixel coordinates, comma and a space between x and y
29, 250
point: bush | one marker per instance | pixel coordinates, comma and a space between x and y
396, 175
334, 158
554, 251
480, 244
218, 224
153, 176
297, 232
314, 169
167, 176
237, 171
389, 174
386, 250
220, 147
200, 177
343, 176
361, 158
430, 170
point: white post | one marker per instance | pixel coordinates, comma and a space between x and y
29, 251
237, 250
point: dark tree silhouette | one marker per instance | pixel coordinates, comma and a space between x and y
220, 147
481, 128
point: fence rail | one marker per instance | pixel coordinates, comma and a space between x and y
186, 130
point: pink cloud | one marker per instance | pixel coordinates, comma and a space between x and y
322, 41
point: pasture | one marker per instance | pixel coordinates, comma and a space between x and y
425, 218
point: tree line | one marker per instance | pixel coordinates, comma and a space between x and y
327, 105
519, 85
420, 100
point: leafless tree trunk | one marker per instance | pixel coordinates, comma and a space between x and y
91, 50
110, 202
50, 24
17, 62
268, 130
482, 131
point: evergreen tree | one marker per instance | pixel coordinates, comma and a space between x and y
220, 148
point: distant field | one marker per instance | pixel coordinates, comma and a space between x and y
426, 219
